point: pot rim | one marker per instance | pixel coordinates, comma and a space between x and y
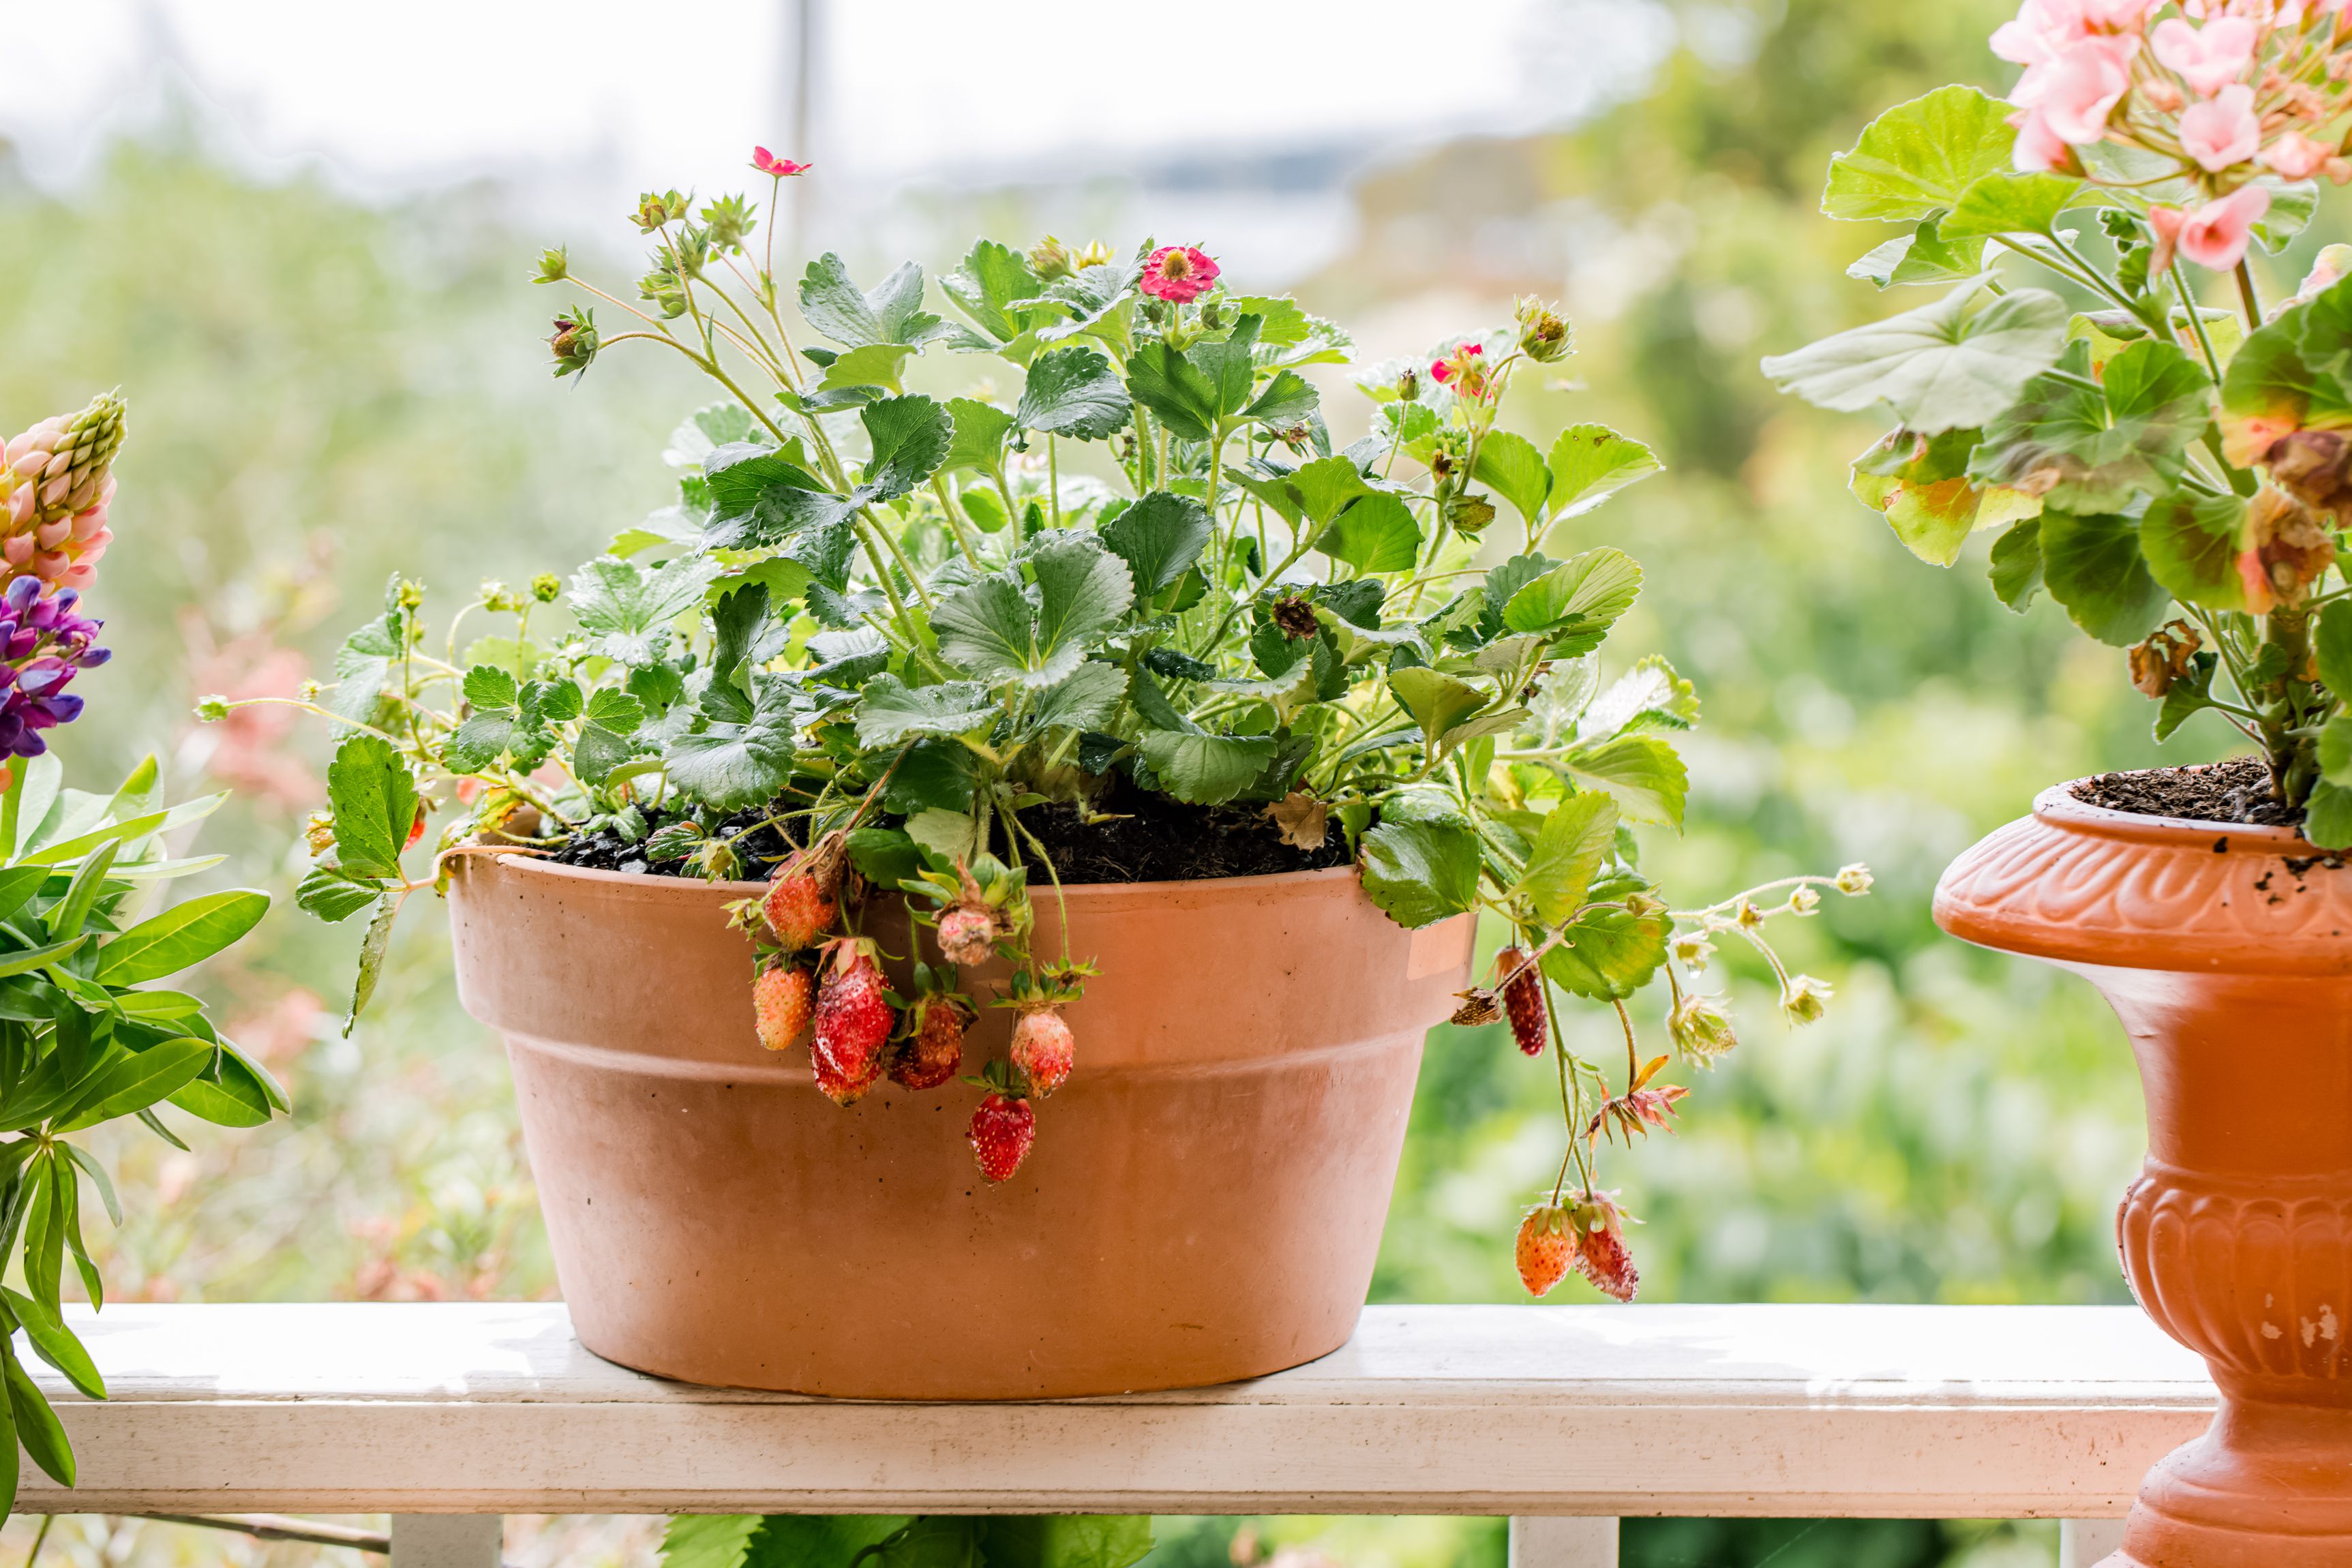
2059, 807
695, 887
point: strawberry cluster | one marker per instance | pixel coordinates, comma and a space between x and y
815, 979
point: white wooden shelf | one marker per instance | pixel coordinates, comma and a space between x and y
1887, 1410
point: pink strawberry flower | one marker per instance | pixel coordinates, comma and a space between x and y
2075, 91
2209, 57
2214, 235
2223, 130
2297, 156
1179, 274
1464, 370
767, 162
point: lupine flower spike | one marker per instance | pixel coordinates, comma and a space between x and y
53, 495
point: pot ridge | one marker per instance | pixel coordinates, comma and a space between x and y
2076, 883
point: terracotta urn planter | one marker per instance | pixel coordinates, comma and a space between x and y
2227, 953
1203, 1203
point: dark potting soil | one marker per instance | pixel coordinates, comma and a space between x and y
2237, 790
1137, 838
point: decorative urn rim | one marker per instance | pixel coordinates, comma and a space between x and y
2089, 886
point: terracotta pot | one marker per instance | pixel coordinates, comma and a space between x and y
1203, 1203
2227, 952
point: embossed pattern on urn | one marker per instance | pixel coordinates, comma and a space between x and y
2227, 954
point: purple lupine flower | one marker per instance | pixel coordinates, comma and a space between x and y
43, 643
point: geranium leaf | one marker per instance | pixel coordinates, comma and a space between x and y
2008, 203
1920, 156
1922, 255
1957, 362
2017, 564
2191, 545
2093, 566
1919, 483
2087, 448
2295, 374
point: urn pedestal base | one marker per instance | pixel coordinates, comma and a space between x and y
2227, 954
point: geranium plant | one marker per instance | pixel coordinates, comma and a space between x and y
85, 1035
886, 641
2166, 454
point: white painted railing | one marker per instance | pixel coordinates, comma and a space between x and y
1563, 1417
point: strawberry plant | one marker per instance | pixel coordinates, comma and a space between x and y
2162, 453
885, 641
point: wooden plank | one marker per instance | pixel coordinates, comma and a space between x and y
1541, 1543
1975, 1412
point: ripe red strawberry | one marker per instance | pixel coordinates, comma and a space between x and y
853, 1023
1544, 1249
802, 899
1603, 1258
1523, 999
935, 1054
1002, 1131
968, 935
782, 996
1043, 1049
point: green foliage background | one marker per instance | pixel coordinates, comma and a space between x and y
322, 394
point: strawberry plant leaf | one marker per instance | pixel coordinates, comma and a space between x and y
373, 946
980, 432
892, 313
1203, 768
1570, 849
626, 610
1582, 597
909, 437
891, 712
1288, 398
1073, 392
1087, 699
1160, 538
1516, 470
992, 631
374, 798
733, 762
1643, 773
1609, 953
1420, 862
1378, 533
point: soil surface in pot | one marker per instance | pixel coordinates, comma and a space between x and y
1136, 837
2237, 790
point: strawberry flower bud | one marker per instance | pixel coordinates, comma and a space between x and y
573, 343
1853, 880
1803, 999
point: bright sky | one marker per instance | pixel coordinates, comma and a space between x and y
623, 93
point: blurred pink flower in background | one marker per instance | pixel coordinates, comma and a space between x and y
246, 750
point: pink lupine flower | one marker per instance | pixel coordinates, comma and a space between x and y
2075, 91
2215, 235
1179, 274
2209, 57
767, 162
2297, 156
2223, 130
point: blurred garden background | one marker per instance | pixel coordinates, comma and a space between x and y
332, 358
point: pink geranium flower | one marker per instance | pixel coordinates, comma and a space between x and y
2078, 88
1178, 273
2209, 57
767, 162
2223, 130
2297, 156
2214, 235
2037, 147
